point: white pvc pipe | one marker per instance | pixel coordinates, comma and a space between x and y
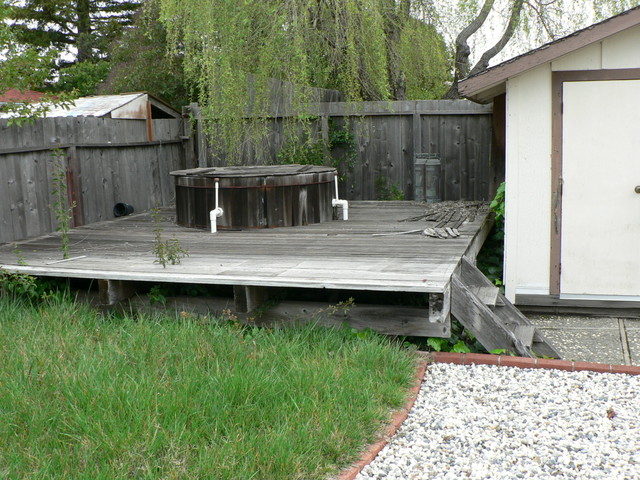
336, 202
216, 212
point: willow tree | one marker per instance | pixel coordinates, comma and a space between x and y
238, 53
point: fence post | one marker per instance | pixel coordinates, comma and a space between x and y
74, 186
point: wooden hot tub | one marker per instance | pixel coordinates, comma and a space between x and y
255, 196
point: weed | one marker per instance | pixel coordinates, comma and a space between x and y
460, 341
19, 285
387, 192
502, 351
158, 294
340, 307
166, 251
18, 253
61, 208
498, 203
33, 289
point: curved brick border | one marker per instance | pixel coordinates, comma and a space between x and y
398, 418
473, 359
523, 362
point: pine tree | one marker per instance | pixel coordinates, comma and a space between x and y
82, 28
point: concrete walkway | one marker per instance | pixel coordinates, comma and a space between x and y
610, 340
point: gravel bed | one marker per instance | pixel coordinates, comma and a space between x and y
488, 422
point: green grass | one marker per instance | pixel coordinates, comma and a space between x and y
87, 396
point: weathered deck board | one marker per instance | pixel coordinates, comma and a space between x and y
338, 254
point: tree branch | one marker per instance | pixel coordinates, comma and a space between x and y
483, 63
461, 64
543, 22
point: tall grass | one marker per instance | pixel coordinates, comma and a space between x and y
87, 396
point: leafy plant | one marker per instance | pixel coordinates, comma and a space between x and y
490, 259
339, 151
386, 192
342, 145
19, 285
503, 351
498, 203
166, 251
460, 341
30, 288
61, 208
158, 294
307, 153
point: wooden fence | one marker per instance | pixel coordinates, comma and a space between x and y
107, 161
113, 160
389, 137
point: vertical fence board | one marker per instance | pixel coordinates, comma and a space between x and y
8, 183
16, 198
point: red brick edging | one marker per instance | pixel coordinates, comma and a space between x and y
523, 362
474, 359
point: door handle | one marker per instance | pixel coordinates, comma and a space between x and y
637, 189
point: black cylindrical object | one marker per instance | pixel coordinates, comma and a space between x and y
122, 209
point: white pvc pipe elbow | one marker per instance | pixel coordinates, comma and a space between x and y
216, 212
344, 204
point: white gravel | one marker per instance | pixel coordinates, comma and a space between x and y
487, 422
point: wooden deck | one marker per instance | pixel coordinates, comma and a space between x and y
349, 255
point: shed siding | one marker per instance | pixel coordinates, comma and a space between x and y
587, 58
527, 239
528, 153
621, 50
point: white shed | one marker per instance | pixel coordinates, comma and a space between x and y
572, 152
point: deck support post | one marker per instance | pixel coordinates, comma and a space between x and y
440, 309
114, 291
247, 298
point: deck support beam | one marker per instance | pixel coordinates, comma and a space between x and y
248, 298
385, 319
440, 306
115, 291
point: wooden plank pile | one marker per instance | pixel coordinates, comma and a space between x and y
445, 218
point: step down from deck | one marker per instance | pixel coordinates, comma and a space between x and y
497, 324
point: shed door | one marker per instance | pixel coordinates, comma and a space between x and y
600, 248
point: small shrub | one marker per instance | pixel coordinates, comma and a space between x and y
386, 192
166, 251
18, 285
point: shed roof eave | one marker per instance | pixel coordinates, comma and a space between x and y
476, 87
488, 94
